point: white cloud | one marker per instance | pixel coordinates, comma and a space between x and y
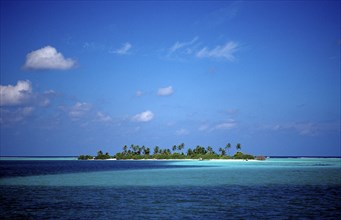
15, 95
229, 124
226, 125
204, 127
166, 91
94, 46
101, 117
45, 98
48, 58
85, 113
124, 49
17, 102
50, 92
306, 128
178, 45
79, 109
143, 116
225, 51
182, 132
302, 128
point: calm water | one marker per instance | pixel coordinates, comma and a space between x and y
304, 188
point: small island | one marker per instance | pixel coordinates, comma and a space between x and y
135, 152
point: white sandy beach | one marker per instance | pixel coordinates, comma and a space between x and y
215, 160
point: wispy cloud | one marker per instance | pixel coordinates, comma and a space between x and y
227, 13
204, 127
22, 94
308, 128
101, 117
94, 46
78, 110
124, 50
15, 95
232, 111
305, 129
178, 45
182, 132
220, 16
143, 116
138, 93
45, 98
166, 91
48, 58
15, 116
225, 125
181, 50
17, 102
85, 113
225, 51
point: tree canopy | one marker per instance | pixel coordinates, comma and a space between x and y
175, 152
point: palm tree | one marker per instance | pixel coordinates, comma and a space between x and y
125, 149
189, 152
223, 152
227, 148
156, 150
209, 150
147, 151
238, 147
138, 149
199, 150
181, 146
174, 148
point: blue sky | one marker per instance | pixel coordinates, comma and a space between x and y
77, 77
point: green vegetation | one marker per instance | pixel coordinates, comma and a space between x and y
136, 152
101, 156
85, 157
240, 155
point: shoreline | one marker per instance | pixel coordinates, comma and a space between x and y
5, 158
216, 160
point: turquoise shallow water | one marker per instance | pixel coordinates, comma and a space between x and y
200, 173
68, 189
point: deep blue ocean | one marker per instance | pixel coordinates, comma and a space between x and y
64, 188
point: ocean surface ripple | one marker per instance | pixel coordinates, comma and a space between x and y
274, 189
